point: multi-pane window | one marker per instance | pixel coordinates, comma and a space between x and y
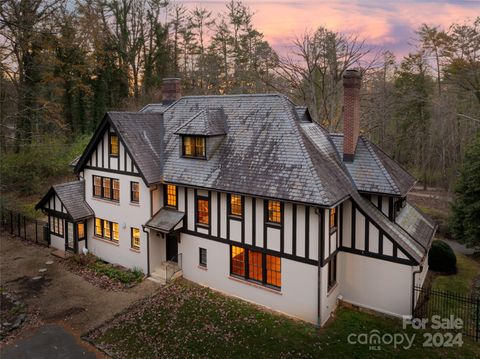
202, 261
256, 266
238, 261
81, 230
135, 238
236, 205
113, 148
106, 229
134, 192
332, 272
193, 146
274, 212
56, 226
107, 188
171, 196
202, 211
333, 220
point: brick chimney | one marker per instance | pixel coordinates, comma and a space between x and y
171, 90
351, 113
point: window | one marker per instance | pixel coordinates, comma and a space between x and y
56, 226
134, 192
193, 146
113, 148
171, 196
106, 229
238, 261
203, 257
236, 205
332, 272
97, 186
256, 266
135, 233
202, 211
81, 231
106, 188
333, 220
274, 212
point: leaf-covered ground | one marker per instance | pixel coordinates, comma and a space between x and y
186, 320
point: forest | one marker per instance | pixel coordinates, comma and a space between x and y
65, 63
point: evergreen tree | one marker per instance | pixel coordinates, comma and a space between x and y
466, 209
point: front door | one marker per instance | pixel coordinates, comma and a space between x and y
69, 237
172, 248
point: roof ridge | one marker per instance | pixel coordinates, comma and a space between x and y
380, 164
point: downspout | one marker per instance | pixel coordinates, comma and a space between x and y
319, 272
420, 269
148, 249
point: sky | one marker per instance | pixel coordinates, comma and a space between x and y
385, 24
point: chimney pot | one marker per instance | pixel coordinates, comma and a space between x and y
171, 90
351, 112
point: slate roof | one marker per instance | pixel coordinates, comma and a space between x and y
165, 220
72, 196
416, 224
206, 122
373, 171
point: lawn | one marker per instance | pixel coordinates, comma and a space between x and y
187, 320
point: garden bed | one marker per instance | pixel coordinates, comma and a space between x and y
102, 274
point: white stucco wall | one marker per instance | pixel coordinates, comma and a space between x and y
298, 295
57, 242
124, 213
375, 284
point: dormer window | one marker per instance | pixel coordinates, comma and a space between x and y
193, 146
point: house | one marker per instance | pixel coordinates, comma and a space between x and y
247, 195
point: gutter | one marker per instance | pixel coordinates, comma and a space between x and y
413, 286
148, 249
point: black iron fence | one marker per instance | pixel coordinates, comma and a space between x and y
446, 304
30, 229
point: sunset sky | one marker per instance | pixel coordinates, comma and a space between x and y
389, 24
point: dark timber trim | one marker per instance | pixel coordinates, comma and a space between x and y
379, 256
294, 229
307, 232
254, 221
112, 171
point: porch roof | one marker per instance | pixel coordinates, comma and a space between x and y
165, 220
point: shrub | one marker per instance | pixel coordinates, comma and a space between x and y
441, 258
120, 274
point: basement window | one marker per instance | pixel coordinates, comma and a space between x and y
193, 147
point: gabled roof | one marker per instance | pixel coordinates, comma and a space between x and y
206, 122
142, 136
72, 196
416, 224
373, 171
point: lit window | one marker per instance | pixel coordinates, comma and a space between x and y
80, 230
274, 271
333, 220
255, 265
202, 211
115, 231
236, 205
171, 195
134, 192
193, 146
56, 226
106, 229
107, 187
113, 150
135, 238
203, 257
238, 261
97, 186
332, 272
116, 189
98, 227
274, 212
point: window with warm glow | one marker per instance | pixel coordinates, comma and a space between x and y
202, 211
97, 186
333, 220
106, 229
274, 271
193, 146
115, 231
107, 233
171, 194
107, 187
274, 212
135, 238
236, 205
134, 192
116, 189
98, 227
113, 149
255, 265
56, 226
80, 230
238, 261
